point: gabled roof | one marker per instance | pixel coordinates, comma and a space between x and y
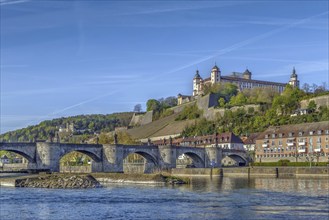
251, 139
4, 157
305, 128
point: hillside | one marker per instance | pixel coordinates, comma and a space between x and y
163, 127
80, 125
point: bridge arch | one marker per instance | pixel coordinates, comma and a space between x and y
92, 155
197, 160
83, 165
28, 157
234, 160
151, 161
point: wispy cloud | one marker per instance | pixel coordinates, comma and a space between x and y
3, 66
319, 24
175, 8
28, 92
11, 2
82, 103
306, 67
267, 59
245, 43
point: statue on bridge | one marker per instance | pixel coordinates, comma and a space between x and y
216, 139
115, 138
170, 140
58, 140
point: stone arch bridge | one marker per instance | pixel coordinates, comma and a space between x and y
109, 158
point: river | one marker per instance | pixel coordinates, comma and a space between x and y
204, 198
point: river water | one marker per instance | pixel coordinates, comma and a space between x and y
204, 198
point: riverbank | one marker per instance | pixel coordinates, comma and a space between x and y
94, 180
316, 172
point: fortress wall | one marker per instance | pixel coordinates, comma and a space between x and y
212, 113
136, 119
180, 108
147, 118
319, 101
141, 119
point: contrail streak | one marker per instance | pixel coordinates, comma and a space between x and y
82, 103
245, 43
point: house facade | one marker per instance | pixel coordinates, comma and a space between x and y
300, 142
226, 140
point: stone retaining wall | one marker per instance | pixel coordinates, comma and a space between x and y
75, 169
255, 171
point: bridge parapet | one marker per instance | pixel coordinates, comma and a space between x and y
109, 158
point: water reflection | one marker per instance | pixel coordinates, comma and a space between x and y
204, 198
305, 186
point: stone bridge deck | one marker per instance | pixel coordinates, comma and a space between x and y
109, 158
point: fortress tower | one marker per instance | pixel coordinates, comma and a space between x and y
294, 79
197, 84
215, 75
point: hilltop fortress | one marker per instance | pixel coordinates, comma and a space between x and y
242, 80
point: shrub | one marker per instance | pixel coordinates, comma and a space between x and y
189, 112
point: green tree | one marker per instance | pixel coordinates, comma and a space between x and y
311, 106
153, 105
221, 102
239, 99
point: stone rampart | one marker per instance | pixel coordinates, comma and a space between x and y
148, 117
180, 108
319, 101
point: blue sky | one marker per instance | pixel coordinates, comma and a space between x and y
62, 58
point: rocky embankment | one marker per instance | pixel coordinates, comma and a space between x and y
81, 181
108, 178
59, 182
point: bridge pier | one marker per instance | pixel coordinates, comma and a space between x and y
214, 156
48, 156
167, 156
112, 158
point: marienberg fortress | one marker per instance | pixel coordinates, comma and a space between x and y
242, 80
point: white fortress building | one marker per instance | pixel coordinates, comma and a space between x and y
242, 80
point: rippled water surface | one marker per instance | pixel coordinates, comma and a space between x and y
217, 198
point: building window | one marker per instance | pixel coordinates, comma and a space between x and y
311, 132
290, 134
318, 140
266, 136
273, 143
319, 131
327, 146
311, 140
327, 139
327, 131
280, 135
280, 142
273, 135
300, 133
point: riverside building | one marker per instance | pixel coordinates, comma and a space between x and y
300, 142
